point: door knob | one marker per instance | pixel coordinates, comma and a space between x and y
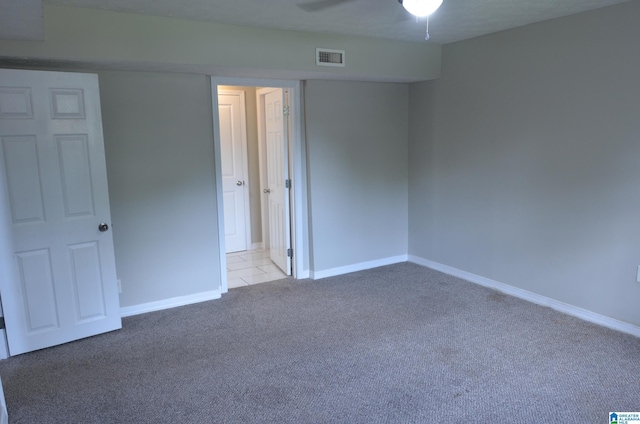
239, 183
266, 190
103, 227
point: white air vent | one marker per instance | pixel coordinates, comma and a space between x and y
330, 57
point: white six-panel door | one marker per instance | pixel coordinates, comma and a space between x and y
277, 173
233, 146
52, 155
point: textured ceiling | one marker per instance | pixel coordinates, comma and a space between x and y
455, 20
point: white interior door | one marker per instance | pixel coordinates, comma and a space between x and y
233, 145
277, 175
52, 158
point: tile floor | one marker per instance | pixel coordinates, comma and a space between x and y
251, 267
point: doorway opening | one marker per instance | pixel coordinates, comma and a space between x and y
261, 188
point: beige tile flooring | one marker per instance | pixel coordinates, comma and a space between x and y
251, 267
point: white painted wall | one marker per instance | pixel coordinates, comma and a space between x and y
357, 148
524, 160
159, 149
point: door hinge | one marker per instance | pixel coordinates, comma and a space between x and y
287, 183
285, 111
290, 253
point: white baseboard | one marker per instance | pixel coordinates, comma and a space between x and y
303, 275
575, 311
316, 275
257, 246
174, 302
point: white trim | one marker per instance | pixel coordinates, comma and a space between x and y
299, 185
217, 162
300, 224
257, 246
332, 272
538, 299
174, 302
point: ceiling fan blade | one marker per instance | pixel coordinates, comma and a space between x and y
314, 6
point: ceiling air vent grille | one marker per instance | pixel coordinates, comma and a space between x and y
330, 57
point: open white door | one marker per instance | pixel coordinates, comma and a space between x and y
55, 184
276, 128
233, 146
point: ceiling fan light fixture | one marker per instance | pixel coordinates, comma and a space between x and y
421, 8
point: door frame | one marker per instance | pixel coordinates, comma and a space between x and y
298, 172
245, 161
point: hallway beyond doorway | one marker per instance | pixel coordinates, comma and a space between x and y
251, 267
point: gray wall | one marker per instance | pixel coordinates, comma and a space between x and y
357, 146
159, 150
524, 160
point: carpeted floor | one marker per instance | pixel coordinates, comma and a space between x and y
398, 344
